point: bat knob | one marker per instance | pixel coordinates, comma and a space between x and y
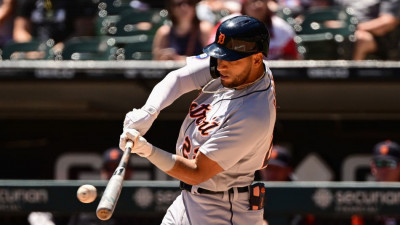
104, 214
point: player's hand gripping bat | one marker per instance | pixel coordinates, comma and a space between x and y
110, 196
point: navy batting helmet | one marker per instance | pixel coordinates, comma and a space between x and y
239, 37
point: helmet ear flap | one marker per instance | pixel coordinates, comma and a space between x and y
266, 49
261, 46
264, 44
213, 67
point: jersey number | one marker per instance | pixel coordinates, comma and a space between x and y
187, 151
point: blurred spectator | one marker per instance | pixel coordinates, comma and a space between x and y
7, 13
385, 167
186, 36
111, 159
54, 21
378, 29
280, 167
282, 45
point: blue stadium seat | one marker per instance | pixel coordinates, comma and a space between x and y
326, 33
87, 48
32, 50
138, 51
135, 22
113, 7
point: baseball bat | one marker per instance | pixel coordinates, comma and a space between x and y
111, 194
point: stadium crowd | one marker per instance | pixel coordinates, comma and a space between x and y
173, 29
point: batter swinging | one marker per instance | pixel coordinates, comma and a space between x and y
227, 134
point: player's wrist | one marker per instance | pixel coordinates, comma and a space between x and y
162, 159
141, 146
147, 150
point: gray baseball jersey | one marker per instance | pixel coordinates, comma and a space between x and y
233, 128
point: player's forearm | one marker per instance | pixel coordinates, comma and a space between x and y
175, 166
187, 171
190, 171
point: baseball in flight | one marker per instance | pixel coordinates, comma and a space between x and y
86, 193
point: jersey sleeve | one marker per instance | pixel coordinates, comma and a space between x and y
178, 82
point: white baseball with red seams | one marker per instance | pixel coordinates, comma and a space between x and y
86, 193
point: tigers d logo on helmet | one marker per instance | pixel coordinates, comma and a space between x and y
221, 39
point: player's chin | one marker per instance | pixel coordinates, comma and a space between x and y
226, 82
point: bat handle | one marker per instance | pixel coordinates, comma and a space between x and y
125, 156
129, 145
111, 194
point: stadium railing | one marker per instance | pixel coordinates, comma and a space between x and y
141, 197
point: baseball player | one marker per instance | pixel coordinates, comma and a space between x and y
227, 133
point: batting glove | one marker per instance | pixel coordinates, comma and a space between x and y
140, 144
140, 119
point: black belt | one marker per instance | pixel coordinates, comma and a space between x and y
188, 187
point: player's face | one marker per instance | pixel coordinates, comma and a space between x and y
386, 173
183, 9
235, 73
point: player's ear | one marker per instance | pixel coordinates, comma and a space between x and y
258, 58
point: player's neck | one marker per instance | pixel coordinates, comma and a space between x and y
258, 77
254, 77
